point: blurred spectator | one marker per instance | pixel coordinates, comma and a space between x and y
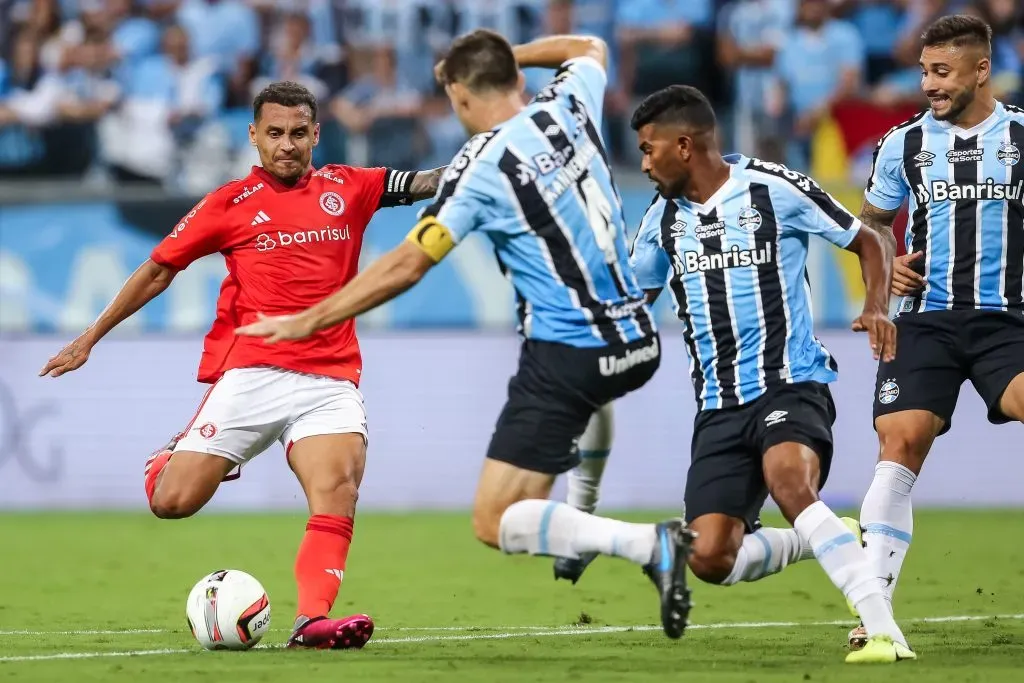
378, 106
168, 98
820, 64
878, 22
228, 30
751, 32
416, 30
169, 83
1007, 43
293, 56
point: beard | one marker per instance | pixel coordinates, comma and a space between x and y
957, 105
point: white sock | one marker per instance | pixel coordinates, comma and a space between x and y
766, 552
888, 521
847, 564
547, 527
584, 481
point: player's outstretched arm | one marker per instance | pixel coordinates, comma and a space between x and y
389, 276
875, 268
144, 285
402, 188
552, 52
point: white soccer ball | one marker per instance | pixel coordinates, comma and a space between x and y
228, 610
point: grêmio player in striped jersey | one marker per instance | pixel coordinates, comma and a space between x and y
960, 317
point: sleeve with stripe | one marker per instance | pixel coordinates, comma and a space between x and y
801, 204
582, 78
886, 188
650, 263
466, 199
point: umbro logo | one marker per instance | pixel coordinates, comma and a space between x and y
336, 572
552, 130
923, 159
260, 218
775, 417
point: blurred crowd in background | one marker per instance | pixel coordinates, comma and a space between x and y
159, 92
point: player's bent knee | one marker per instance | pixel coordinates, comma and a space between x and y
793, 496
486, 526
906, 437
712, 565
175, 505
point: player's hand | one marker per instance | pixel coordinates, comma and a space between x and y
71, 357
881, 334
905, 281
278, 328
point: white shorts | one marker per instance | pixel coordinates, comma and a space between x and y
250, 408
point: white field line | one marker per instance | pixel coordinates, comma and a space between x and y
519, 632
514, 631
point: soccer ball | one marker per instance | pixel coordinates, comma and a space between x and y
228, 610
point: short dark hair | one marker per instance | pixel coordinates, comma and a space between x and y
681, 104
959, 30
481, 60
287, 94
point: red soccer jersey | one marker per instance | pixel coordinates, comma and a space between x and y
286, 248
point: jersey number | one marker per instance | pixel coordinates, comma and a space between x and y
599, 214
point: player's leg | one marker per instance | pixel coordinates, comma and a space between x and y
186, 482
584, 481
725, 491
227, 430
326, 449
1011, 403
550, 401
795, 433
915, 395
792, 473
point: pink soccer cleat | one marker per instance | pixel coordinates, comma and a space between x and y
323, 633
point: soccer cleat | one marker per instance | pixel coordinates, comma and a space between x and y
881, 649
854, 526
858, 638
572, 569
667, 570
322, 633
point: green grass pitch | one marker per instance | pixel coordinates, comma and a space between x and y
100, 597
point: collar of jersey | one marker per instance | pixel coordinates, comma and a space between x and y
736, 162
983, 127
277, 185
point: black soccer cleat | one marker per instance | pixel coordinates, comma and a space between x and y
667, 570
572, 570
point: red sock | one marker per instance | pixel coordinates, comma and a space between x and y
154, 466
320, 564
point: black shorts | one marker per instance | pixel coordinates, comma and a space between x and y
554, 393
726, 475
937, 351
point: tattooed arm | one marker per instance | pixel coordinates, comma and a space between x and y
905, 280
881, 220
425, 183
402, 188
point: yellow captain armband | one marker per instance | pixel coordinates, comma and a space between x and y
433, 238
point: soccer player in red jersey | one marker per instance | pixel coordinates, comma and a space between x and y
290, 235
